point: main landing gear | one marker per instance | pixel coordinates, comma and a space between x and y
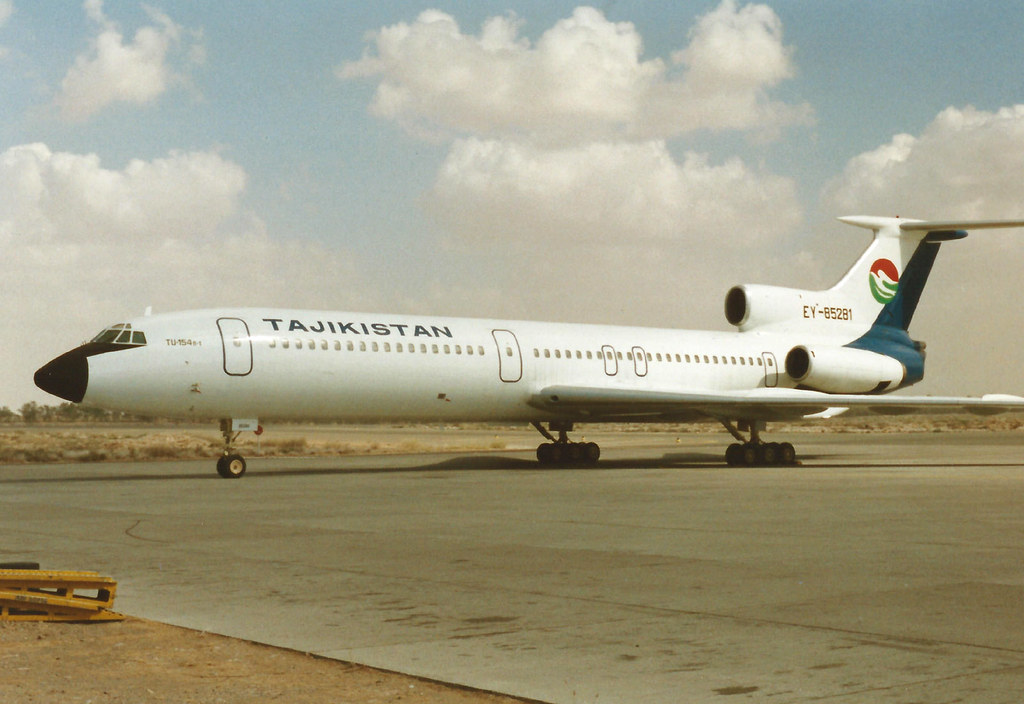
230, 465
561, 452
753, 452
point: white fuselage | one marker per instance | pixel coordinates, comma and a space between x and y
295, 364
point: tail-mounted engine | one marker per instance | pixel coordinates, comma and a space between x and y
753, 306
843, 370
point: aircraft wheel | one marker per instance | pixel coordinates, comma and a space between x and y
733, 454
572, 453
591, 453
749, 454
787, 454
544, 453
231, 466
770, 453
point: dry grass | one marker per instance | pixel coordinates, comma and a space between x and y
72, 443
57, 444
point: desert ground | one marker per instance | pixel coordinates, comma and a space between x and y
143, 661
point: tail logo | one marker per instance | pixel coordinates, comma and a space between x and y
884, 280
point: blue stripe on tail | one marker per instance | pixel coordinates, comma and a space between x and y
888, 334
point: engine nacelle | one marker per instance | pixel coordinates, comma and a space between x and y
752, 306
843, 370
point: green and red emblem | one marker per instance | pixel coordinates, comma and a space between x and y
884, 280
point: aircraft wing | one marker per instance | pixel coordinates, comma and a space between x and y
778, 404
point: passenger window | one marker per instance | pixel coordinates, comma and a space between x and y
458, 349
706, 360
423, 348
387, 346
284, 344
590, 355
398, 347
273, 342
362, 346
376, 347
350, 346
547, 354
558, 354
759, 361
743, 362
323, 344
433, 348
480, 350
687, 359
298, 344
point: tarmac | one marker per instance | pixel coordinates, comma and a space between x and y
884, 568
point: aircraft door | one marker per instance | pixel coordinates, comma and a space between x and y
640, 361
611, 363
771, 370
234, 334
510, 359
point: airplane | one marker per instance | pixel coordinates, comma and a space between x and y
795, 354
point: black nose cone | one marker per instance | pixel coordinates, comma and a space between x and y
66, 376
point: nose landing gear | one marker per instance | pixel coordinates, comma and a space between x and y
230, 464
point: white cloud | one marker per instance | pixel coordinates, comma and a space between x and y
63, 197
967, 163
583, 80
608, 193
115, 71
85, 245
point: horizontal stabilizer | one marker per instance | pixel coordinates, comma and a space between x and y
873, 222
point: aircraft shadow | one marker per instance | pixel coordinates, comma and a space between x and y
264, 469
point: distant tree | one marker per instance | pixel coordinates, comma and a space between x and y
30, 412
7, 415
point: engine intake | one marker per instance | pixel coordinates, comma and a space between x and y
843, 370
753, 306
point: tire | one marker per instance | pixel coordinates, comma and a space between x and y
787, 454
231, 466
733, 455
591, 453
544, 454
770, 453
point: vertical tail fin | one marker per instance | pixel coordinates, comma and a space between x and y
889, 277
887, 280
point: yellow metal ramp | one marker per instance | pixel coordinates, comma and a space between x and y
48, 595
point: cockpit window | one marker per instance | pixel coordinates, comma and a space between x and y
121, 334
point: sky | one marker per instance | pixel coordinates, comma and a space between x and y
621, 162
